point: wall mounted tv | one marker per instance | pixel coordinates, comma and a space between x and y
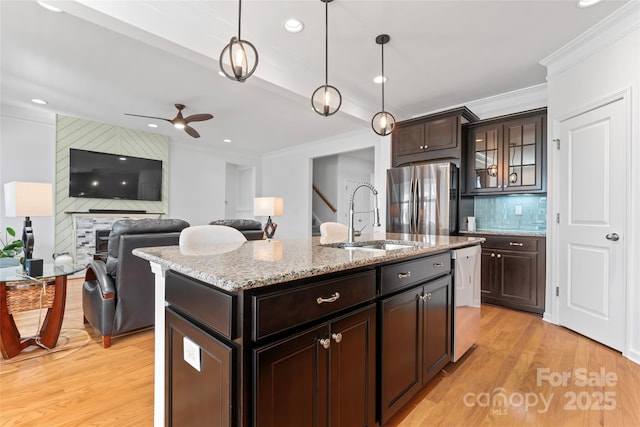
112, 176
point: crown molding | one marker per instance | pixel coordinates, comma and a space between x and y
615, 26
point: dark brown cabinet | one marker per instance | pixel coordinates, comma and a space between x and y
342, 349
415, 343
513, 272
210, 379
437, 136
324, 376
507, 154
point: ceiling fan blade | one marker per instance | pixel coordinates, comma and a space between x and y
148, 117
198, 117
191, 131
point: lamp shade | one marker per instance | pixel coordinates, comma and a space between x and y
268, 206
28, 199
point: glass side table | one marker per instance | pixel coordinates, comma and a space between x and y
19, 292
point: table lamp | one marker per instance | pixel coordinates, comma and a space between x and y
28, 199
268, 206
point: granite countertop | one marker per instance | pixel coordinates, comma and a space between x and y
256, 263
507, 233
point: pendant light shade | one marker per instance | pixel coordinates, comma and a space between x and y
239, 58
326, 100
383, 122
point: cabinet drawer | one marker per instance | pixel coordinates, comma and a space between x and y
211, 307
276, 312
404, 274
513, 243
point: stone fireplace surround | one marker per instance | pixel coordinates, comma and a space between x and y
85, 226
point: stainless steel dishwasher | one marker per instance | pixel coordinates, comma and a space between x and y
466, 295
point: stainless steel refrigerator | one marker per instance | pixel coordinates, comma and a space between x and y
423, 199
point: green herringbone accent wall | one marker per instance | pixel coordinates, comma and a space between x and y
72, 132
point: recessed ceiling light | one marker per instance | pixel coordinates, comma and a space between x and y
227, 140
587, 3
49, 7
39, 101
379, 79
293, 25
152, 125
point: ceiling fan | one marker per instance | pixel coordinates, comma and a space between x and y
182, 122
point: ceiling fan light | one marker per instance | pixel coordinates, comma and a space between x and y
179, 125
382, 123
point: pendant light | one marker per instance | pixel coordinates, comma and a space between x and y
326, 100
513, 176
236, 57
383, 122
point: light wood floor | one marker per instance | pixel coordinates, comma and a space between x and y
81, 384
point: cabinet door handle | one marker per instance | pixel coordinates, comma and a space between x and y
426, 147
404, 275
422, 297
325, 342
516, 244
429, 295
499, 256
337, 337
332, 298
438, 265
493, 255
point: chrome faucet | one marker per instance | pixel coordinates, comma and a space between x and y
351, 209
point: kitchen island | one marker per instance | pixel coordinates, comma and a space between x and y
254, 318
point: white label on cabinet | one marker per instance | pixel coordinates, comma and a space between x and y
191, 353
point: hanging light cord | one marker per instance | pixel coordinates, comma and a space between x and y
326, 42
382, 45
239, 18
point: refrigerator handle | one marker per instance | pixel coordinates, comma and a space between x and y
416, 207
411, 204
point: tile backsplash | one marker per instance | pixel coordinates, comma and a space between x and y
500, 213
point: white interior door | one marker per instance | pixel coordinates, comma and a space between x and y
592, 189
245, 192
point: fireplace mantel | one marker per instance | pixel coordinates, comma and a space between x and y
85, 224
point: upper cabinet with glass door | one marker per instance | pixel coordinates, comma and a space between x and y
506, 155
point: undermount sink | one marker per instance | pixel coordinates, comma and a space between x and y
371, 245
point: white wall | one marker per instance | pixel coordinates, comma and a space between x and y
288, 174
27, 153
602, 62
197, 180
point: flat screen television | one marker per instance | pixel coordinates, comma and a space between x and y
113, 176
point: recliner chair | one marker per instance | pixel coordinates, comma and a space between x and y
118, 296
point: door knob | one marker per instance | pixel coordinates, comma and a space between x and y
613, 236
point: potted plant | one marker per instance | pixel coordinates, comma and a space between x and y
10, 249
